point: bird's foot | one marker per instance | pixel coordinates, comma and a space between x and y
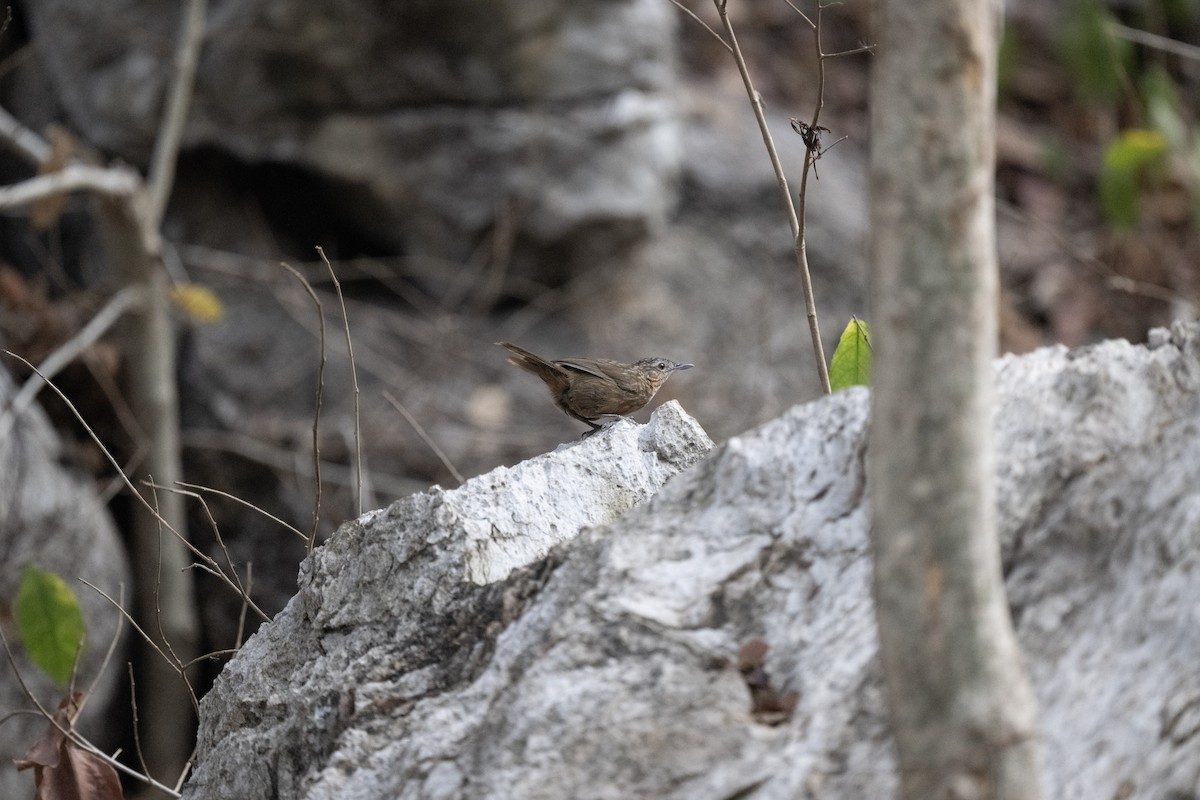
609, 421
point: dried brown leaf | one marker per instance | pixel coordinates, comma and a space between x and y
64, 771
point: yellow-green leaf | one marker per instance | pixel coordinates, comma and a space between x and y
1128, 161
49, 622
198, 302
851, 362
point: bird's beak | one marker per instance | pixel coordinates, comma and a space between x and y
682, 366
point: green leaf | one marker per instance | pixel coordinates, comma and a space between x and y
1128, 159
49, 622
851, 362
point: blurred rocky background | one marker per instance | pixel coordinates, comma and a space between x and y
581, 178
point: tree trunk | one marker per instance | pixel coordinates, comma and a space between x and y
961, 707
164, 594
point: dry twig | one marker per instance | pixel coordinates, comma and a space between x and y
245, 503
794, 219
207, 561
167, 657
425, 437
104, 319
1148, 39
129, 485
111, 181
316, 426
358, 460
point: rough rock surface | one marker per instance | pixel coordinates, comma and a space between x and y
427, 120
51, 518
458, 547
602, 670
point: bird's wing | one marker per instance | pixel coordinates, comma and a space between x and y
590, 366
623, 376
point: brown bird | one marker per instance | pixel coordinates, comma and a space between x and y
590, 388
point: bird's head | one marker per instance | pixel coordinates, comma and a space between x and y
657, 370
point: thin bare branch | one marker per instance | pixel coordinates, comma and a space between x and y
167, 657
166, 147
316, 426
806, 18
145, 503
113, 181
133, 711
820, 102
104, 319
245, 503
183, 773
12, 662
862, 48
96, 439
112, 647
213, 656
795, 220
703, 24
241, 628
212, 522
756, 105
835, 144
106, 382
358, 459
21, 139
210, 570
425, 437
235, 582
19, 712
1181, 49
172, 657
286, 461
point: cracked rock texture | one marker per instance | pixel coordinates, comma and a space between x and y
436, 651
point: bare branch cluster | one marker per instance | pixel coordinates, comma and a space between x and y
810, 133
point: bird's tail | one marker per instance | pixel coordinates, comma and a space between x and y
532, 362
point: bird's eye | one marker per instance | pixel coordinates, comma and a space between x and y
661, 366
